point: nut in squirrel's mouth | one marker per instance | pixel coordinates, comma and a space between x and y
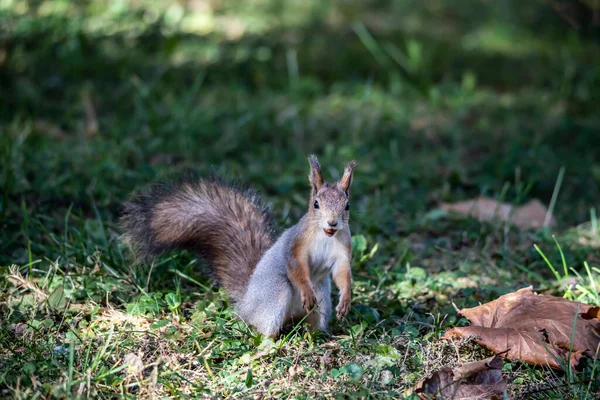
330, 232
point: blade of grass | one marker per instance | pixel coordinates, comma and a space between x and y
592, 282
370, 44
568, 292
554, 271
100, 355
562, 257
557, 186
189, 278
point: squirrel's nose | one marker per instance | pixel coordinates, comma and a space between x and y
332, 223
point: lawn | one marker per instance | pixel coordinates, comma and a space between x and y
437, 101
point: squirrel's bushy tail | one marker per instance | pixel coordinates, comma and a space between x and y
223, 224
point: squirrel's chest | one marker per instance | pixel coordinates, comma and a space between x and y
322, 256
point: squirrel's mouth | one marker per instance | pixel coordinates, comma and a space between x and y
330, 232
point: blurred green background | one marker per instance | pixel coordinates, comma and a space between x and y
436, 100
431, 97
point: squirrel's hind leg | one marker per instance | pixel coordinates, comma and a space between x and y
267, 310
271, 319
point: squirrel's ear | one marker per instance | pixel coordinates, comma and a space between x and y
346, 180
315, 177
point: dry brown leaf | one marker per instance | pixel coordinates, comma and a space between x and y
475, 380
533, 328
530, 215
470, 369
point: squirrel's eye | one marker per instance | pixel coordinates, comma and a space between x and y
347, 206
316, 204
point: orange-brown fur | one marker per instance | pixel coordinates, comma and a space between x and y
343, 280
299, 270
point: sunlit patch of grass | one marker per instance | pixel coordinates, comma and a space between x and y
502, 39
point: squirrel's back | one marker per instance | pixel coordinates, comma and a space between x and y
222, 223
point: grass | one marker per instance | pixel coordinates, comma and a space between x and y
437, 102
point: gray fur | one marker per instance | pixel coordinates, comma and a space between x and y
271, 285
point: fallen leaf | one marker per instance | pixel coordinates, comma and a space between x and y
534, 328
531, 215
472, 368
474, 380
482, 208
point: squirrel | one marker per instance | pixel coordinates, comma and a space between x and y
271, 282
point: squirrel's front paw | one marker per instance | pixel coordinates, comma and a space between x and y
308, 299
343, 307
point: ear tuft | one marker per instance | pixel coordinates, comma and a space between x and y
315, 177
346, 180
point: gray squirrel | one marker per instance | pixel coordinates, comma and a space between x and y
271, 282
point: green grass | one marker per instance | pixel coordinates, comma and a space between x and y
437, 102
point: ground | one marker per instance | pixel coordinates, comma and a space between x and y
437, 101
